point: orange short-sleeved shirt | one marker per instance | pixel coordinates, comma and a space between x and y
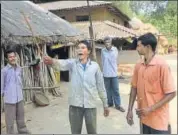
152, 82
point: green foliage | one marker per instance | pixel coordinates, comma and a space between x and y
165, 20
124, 6
161, 14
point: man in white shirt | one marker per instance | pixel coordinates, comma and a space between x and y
109, 57
86, 82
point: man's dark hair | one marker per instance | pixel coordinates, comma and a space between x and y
10, 50
148, 39
88, 44
134, 43
107, 38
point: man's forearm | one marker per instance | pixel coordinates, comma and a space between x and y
103, 98
55, 64
132, 98
163, 101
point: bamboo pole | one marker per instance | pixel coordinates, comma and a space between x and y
27, 88
41, 75
22, 61
74, 52
45, 70
32, 81
2, 57
91, 33
69, 51
23, 73
2, 65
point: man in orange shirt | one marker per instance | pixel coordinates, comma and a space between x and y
152, 83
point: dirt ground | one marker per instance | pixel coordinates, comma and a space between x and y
53, 119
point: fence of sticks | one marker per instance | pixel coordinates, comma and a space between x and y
36, 76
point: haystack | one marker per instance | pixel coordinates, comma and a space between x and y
140, 28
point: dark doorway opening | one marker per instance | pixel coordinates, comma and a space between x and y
62, 53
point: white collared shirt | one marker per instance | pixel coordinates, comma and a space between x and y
109, 60
86, 84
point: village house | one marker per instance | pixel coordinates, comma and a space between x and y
120, 34
76, 11
107, 20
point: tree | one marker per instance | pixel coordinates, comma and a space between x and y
161, 14
147, 7
165, 20
124, 6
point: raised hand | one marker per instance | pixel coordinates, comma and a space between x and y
48, 60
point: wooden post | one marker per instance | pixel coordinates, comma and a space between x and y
2, 58
32, 79
41, 73
70, 52
45, 71
91, 33
2, 65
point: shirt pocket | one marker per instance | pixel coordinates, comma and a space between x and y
155, 87
154, 83
8, 78
19, 78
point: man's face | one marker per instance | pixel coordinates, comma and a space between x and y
83, 51
12, 58
108, 44
141, 48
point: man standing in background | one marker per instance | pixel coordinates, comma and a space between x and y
11, 89
109, 58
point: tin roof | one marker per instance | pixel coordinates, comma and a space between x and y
60, 5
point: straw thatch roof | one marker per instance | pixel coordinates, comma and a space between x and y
102, 29
21, 21
141, 28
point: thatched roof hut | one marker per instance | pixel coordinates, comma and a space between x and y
21, 21
30, 29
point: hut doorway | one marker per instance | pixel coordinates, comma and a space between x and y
61, 53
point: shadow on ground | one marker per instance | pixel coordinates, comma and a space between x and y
124, 79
